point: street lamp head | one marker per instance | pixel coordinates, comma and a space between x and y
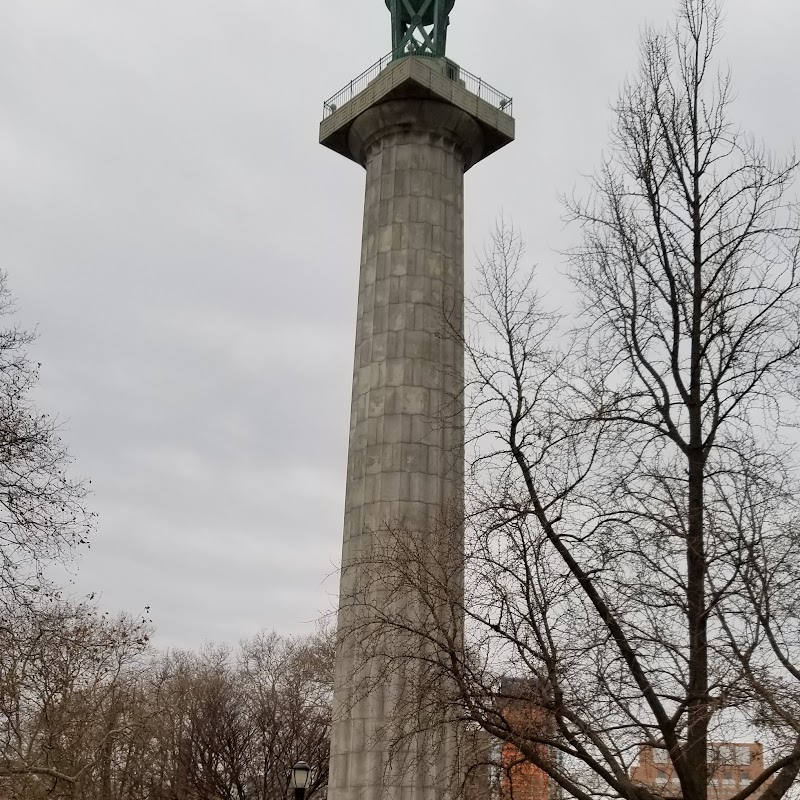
301, 775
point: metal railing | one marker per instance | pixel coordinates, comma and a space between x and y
470, 82
355, 86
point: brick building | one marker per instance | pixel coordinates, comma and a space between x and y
497, 770
734, 765
519, 779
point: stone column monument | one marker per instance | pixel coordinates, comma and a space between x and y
416, 122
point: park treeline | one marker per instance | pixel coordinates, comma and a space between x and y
90, 710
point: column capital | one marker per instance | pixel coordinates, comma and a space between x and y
439, 119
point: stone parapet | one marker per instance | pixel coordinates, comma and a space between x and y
421, 78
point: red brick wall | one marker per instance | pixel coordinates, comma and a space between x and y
519, 779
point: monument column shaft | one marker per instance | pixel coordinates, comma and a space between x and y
405, 462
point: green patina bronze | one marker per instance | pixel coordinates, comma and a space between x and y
419, 27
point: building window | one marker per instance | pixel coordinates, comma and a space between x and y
734, 755
728, 778
660, 756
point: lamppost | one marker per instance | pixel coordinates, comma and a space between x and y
301, 779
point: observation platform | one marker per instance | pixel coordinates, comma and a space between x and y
418, 77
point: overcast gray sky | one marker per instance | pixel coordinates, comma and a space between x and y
189, 254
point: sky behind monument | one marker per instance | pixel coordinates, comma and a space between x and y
189, 254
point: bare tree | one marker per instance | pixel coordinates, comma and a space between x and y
230, 724
632, 543
88, 711
65, 688
287, 684
42, 516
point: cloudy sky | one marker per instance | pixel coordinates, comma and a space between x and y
189, 255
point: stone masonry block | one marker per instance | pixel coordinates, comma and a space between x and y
384, 239
390, 486
434, 461
403, 496
372, 488
450, 217
387, 185
364, 379
378, 374
372, 246
421, 431
431, 491
430, 210
378, 351
435, 377
397, 316
393, 402
393, 428
421, 183
361, 409
400, 209
356, 496
395, 371
380, 319
427, 373
396, 289
376, 403
424, 318
438, 182
394, 344
416, 491
403, 155
392, 457
418, 344
419, 235
400, 262
402, 182
371, 426
388, 155
439, 235
355, 467
400, 236
373, 196
381, 292
385, 212
382, 266
415, 400
414, 458
417, 287
372, 460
